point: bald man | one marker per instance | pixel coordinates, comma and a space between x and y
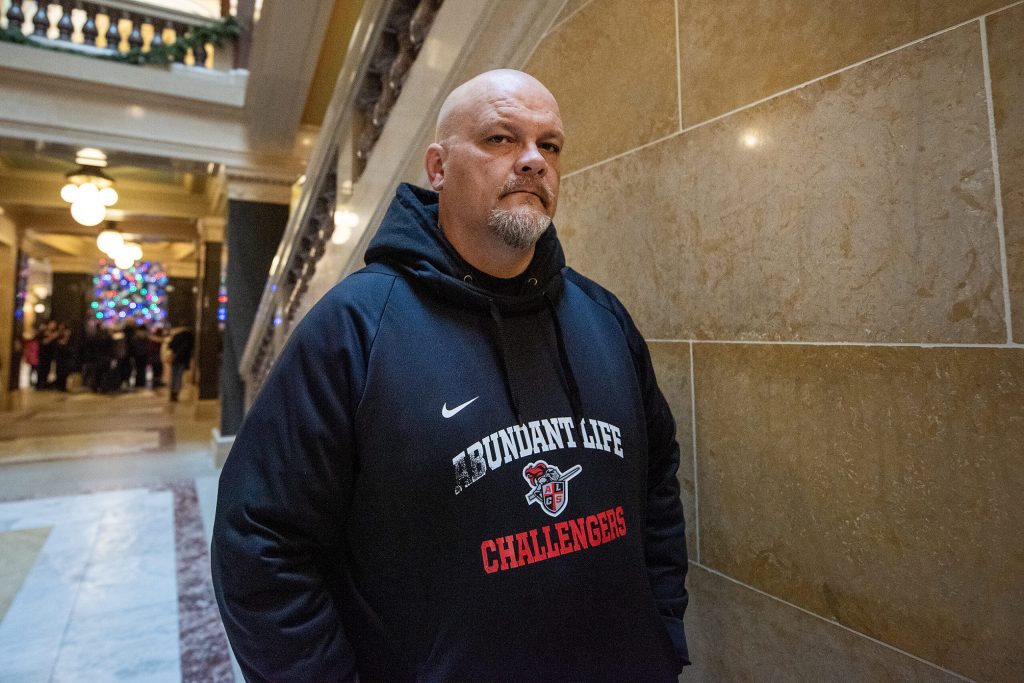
461, 466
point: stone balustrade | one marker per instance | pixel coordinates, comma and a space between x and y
131, 31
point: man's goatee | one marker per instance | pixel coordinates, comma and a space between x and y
519, 228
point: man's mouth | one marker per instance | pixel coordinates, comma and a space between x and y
539, 195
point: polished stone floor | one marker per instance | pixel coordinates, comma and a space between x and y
106, 505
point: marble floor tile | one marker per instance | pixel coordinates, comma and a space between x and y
128, 644
206, 490
28, 660
33, 628
132, 562
18, 553
72, 477
120, 588
97, 412
100, 602
34, 448
23, 514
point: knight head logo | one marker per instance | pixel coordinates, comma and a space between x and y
549, 486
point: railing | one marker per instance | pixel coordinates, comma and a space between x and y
384, 46
399, 44
120, 29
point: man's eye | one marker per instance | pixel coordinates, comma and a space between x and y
498, 138
551, 147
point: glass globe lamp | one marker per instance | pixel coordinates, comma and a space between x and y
109, 241
88, 213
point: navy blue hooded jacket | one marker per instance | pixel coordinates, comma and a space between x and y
452, 477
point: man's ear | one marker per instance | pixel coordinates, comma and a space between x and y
434, 163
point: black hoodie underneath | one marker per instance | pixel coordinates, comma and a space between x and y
451, 477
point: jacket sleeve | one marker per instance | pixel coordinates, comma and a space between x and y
665, 540
281, 502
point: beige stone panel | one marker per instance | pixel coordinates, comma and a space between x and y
863, 209
613, 70
672, 368
738, 52
570, 7
738, 635
1005, 45
876, 486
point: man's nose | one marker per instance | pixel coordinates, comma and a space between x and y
531, 161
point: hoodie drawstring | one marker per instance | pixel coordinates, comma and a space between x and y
572, 388
504, 353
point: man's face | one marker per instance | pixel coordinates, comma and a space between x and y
501, 160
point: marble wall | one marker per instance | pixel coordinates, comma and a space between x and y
815, 213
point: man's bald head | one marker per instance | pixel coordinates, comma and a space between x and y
464, 101
495, 166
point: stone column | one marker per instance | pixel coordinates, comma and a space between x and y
257, 215
209, 333
9, 360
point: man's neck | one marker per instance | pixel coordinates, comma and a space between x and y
489, 254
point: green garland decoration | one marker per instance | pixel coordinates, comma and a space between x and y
212, 34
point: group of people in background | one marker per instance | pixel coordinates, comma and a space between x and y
110, 360
51, 346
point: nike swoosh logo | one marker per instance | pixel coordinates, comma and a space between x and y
446, 413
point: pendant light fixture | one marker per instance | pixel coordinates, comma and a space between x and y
112, 243
110, 240
88, 189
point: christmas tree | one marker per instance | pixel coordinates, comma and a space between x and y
135, 294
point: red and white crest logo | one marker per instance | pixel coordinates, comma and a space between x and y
549, 485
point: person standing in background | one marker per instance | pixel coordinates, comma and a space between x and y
89, 354
64, 355
140, 355
30, 353
182, 344
154, 345
107, 375
47, 351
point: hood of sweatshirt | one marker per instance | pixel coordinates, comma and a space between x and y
411, 242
